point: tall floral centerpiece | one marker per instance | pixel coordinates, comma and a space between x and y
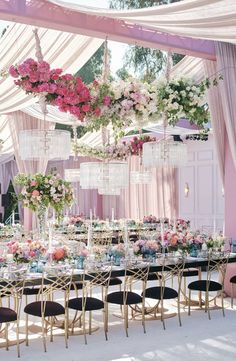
40, 192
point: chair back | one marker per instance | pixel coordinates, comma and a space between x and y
217, 263
12, 286
171, 268
103, 239
134, 275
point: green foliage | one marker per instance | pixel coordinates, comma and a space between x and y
93, 68
146, 62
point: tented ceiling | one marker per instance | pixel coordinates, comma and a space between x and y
202, 19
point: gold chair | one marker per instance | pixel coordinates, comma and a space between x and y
126, 297
53, 280
86, 303
11, 287
170, 269
216, 263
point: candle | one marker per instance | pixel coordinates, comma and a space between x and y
89, 236
112, 214
94, 213
162, 234
174, 221
50, 237
13, 218
214, 226
138, 213
223, 231
91, 215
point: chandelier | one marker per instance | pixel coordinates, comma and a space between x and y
166, 152
72, 175
108, 177
37, 144
140, 177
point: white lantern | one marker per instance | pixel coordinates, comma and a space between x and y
72, 174
108, 178
164, 153
39, 144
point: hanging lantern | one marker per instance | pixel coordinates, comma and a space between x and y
108, 178
72, 175
140, 177
38, 144
166, 152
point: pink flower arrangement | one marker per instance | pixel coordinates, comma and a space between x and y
60, 254
77, 220
146, 247
149, 219
26, 251
136, 144
67, 92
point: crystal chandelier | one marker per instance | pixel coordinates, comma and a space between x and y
37, 144
166, 152
108, 177
72, 175
140, 177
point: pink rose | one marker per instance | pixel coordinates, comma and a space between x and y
33, 183
13, 72
35, 193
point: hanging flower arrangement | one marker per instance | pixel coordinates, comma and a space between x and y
119, 151
182, 98
67, 92
47, 190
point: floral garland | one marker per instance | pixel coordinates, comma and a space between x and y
117, 103
113, 152
47, 190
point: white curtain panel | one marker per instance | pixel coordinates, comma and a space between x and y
226, 65
214, 19
62, 50
217, 115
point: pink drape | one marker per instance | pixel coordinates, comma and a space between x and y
21, 121
158, 198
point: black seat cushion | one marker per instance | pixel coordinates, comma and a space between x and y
7, 315
30, 291
203, 285
155, 293
114, 281
190, 272
91, 304
76, 286
152, 276
51, 309
118, 298
233, 279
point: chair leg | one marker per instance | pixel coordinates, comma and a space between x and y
90, 322
189, 297
26, 329
104, 321
66, 327
17, 338
84, 330
143, 317
179, 316
126, 319
208, 305
232, 295
44, 336
6, 336
222, 303
51, 327
162, 314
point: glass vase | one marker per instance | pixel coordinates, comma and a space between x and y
42, 214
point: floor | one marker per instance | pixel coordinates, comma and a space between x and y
197, 339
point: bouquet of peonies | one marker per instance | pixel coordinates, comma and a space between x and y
60, 254
146, 247
44, 190
149, 219
27, 251
77, 220
118, 250
136, 144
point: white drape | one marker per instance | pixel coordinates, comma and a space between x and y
214, 19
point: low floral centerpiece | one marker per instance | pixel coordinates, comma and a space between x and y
149, 219
25, 252
146, 247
